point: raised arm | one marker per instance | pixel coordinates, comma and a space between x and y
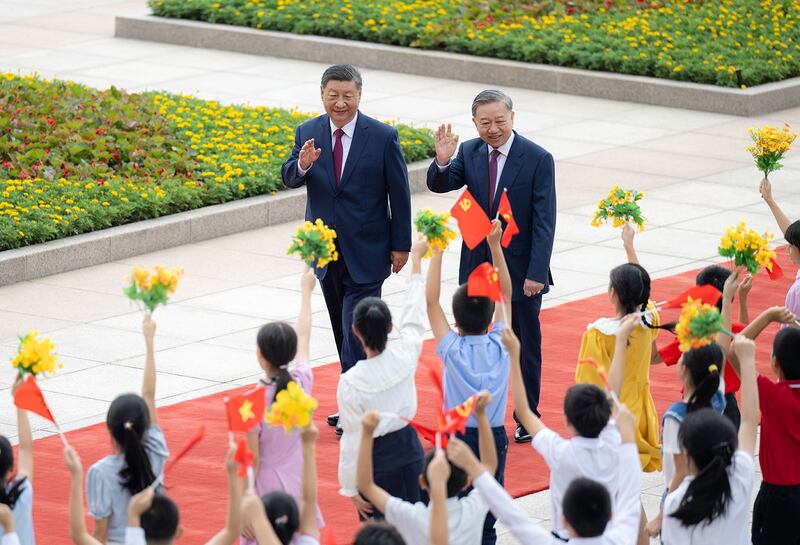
149, 380
376, 495
728, 293
433, 288
396, 173
503, 312
307, 283
628, 234
254, 521
77, 517
766, 193
744, 291
303, 156
412, 320
446, 173
526, 416
486, 447
624, 526
438, 474
616, 374
745, 350
233, 518
308, 508
25, 448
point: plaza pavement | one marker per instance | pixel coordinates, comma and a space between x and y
692, 165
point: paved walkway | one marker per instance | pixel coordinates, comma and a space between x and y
692, 165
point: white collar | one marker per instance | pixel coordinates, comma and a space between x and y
610, 326
505, 148
348, 129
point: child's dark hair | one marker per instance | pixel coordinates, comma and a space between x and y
704, 365
587, 409
713, 275
792, 234
786, 349
373, 321
473, 314
128, 420
710, 441
631, 283
277, 342
378, 533
458, 478
587, 507
8, 495
282, 514
160, 522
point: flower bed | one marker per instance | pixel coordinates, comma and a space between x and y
74, 159
729, 43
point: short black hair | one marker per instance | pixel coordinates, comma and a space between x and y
587, 507
341, 72
373, 321
457, 480
713, 275
473, 314
378, 533
160, 522
786, 349
792, 234
587, 409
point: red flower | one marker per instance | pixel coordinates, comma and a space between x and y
570, 10
609, 3
50, 121
115, 156
489, 19
6, 164
99, 131
101, 182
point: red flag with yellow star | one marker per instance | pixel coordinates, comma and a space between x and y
484, 282
504, 209
473, 222
245, 411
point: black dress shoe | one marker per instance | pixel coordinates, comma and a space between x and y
333, 419
339, 431
521, 435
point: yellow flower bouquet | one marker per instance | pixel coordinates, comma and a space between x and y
698, 325
292, 408
769, 146
434, 226
746, 247
620, 206
35, 355
152, 288
315, 244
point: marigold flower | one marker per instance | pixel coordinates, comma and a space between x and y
292, 408
619, 206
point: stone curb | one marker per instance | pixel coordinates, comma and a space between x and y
141, 237
646, 90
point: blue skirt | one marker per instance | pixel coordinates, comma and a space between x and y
397, 461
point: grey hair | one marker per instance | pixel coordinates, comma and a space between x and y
341, 72
491, 95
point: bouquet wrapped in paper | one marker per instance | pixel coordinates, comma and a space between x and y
315, 244
434, 226
698, 325
35, 356
746, 247
769, 146
619, 206
292, 408
152, 288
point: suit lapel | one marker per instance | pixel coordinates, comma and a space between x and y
360, 138
323, 141
510, 170
481, 165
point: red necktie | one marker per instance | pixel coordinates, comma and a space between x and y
337, 155
492, 177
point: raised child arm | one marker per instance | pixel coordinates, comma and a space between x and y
307, 283
233, 518
433, 288
745, 350
627, 242
499, 261
308, 508
486, 446
25, 449
77, 520
365, 482
149, 380
526, 416
438, 473
766, 193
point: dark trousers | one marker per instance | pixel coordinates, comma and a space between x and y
501, 444
342, 295
525, 323
732, 410
397, 462
775, 515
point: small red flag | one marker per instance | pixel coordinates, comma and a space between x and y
707, 294
243, 456
776, 273
196, 438
455, 420
30, 398
473, 222
670, 353
327, 536
245, 411
484, 282
429, 434
504, 209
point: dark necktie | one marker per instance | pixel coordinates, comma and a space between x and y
337, 155
492, 177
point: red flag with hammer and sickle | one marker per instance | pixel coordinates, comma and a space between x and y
473, 222
484, 282
504, 209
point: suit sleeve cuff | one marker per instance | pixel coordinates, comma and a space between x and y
300, 171
441, 168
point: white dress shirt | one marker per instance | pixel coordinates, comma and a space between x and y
465, 518
10, 539
135, 536
347, 140
501, 160
384, 384
623, 528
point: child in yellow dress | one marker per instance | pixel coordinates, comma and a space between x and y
629, 292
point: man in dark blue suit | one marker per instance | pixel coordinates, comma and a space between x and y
502, 160
357, 182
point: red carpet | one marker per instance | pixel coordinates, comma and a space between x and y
197, 483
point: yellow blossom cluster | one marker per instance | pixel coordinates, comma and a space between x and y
620, 206
698, 324
35, 355
746, 247
435, 227
315, 243
292, 408
152, 288
769, 146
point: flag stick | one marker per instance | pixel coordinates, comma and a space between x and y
231, 441
250, 478
438, 441
61, 434
158, 481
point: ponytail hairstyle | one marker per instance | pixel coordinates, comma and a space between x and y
277, 343
373, 322
8, 495
631, 283
128, 421
704, 365
709, 439
282, 514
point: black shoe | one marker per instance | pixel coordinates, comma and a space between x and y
339, 431
333, 419
521, 435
